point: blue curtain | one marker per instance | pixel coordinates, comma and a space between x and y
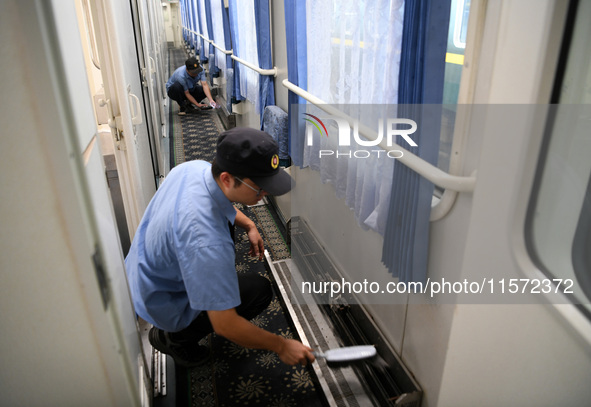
191, 23
295, 26
266, 82
422, 65
185, 20
234, 33
213, 68
230, 71
203, 49
227, 38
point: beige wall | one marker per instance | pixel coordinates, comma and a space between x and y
58, 342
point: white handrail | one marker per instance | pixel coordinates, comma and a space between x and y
225, 51
266, 72
261, 71
412, 161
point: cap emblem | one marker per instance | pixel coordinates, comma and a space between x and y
275, 161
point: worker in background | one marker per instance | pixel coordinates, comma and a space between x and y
187, 86
181, 264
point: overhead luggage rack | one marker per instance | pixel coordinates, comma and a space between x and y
323, 324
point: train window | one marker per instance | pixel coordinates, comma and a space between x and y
558, 227
460, 26
362, 43
246, 38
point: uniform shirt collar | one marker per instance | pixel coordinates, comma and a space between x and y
226, 206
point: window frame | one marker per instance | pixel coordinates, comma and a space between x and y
533, 200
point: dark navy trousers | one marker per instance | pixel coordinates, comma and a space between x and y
177, 93
255, 296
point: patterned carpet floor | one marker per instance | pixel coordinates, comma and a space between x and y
194, 135
237, 376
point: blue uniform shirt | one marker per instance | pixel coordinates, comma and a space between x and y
182, 258
181, 76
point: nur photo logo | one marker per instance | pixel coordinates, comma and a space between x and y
386, 129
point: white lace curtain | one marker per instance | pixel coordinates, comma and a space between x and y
353, 53
203, 29
217, 21
247, 49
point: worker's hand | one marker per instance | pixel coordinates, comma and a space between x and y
294, 352
257, 246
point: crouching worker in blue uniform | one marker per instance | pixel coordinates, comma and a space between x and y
187, 86
181, 264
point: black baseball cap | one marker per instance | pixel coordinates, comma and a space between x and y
253, 154
193, 65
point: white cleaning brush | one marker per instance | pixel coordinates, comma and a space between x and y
347, 354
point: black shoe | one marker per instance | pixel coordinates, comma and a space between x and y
187, 355
182, 111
